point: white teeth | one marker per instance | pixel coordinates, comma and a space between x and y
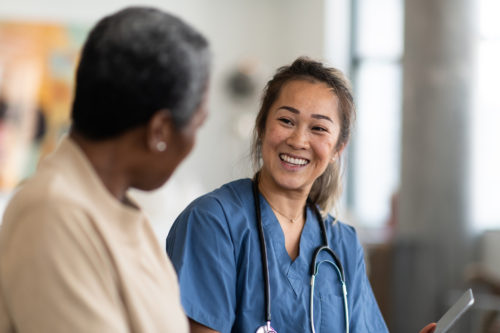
291, 160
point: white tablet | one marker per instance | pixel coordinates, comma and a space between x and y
455, 312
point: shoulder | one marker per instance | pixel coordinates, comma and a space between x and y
222, 213
50, 234
343, 235
48, 206
49, 189
43, 220
232, 195
39, 196
44, 200
341, 228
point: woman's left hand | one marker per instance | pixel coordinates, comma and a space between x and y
429, 328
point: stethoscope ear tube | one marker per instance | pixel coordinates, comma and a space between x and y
263, 249
333, 255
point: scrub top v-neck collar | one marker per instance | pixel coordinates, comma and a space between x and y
296, 270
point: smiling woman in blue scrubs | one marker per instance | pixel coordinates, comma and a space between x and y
301, 130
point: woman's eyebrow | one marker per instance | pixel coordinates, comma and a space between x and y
320, 116
289, 108
315, 115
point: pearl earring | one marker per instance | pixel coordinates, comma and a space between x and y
161, 146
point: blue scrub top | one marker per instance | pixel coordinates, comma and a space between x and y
214, 246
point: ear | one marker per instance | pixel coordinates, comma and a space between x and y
158, 131
338, 152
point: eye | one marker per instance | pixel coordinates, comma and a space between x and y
319, 129
285, 121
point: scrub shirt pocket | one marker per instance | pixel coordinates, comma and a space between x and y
332, 314
329, 315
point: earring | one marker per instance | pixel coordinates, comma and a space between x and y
161, 146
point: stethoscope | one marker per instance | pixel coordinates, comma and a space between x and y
314, 266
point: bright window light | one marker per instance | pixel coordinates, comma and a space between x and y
485, 189
377, 137
377, 87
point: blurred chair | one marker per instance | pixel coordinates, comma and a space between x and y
485, 277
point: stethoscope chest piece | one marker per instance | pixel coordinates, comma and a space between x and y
266, 329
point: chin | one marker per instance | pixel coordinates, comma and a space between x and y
291, 185
152, 184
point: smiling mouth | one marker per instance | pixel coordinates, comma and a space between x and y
293, 160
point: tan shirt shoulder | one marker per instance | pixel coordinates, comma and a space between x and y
73, 259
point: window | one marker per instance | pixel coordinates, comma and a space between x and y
377, 78
377, 81
485, 119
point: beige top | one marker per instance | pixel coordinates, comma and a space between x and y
75, 259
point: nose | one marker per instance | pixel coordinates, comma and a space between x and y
298, 139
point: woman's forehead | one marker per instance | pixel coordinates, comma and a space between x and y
307, 96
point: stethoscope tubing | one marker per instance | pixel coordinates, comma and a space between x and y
263, 250
265, 268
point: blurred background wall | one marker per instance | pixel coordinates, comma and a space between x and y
422, 179
249, 38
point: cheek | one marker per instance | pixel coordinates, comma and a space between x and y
188, 138
325, 151
272, 137
189, 145
183, 146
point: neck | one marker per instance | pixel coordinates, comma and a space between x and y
286, 203
108, 163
